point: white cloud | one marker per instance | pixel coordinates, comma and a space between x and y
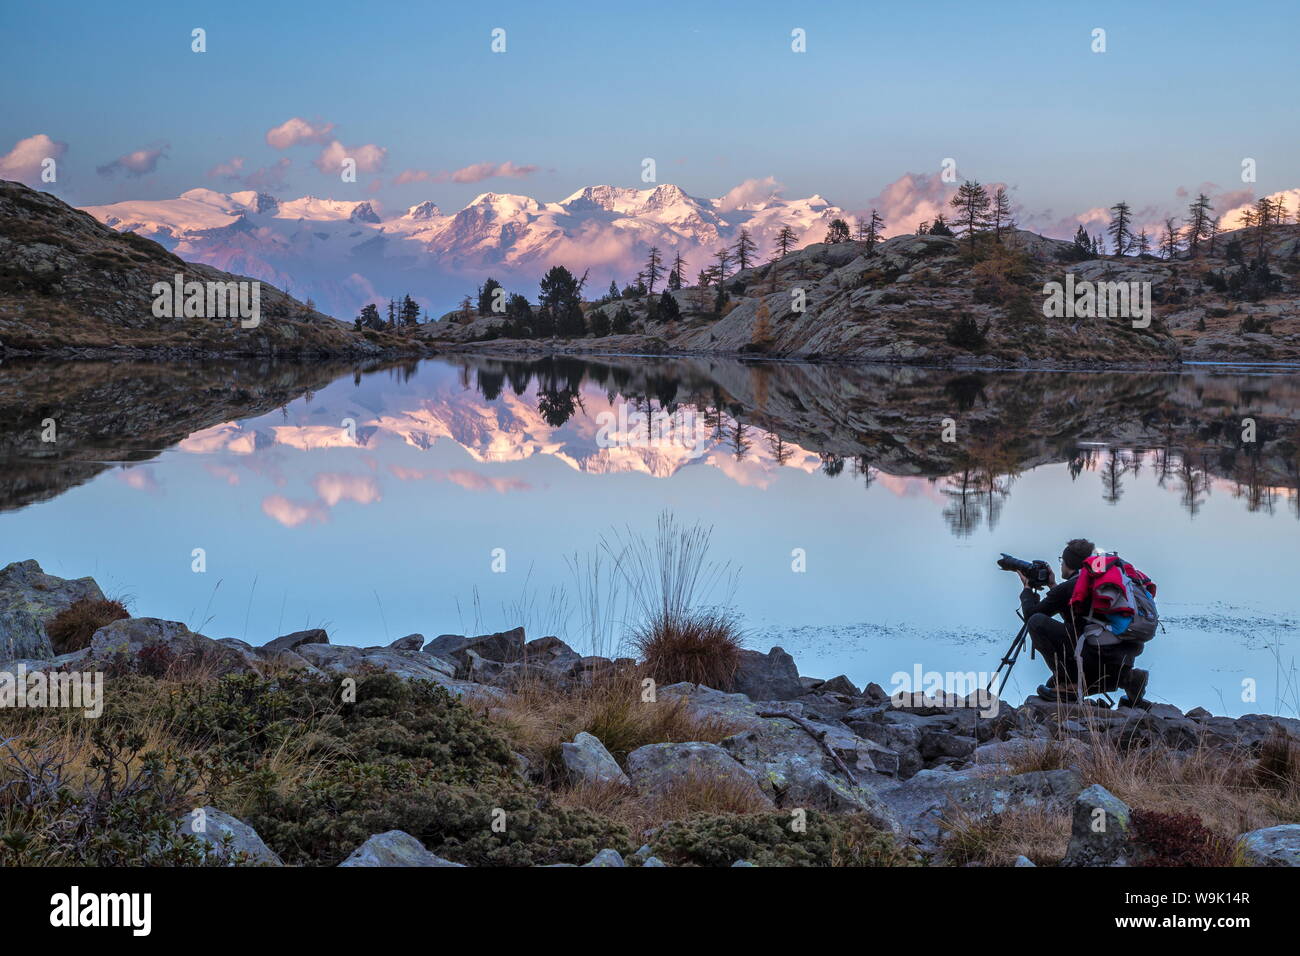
23, 162
369, 157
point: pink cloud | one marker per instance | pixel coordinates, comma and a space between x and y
750, 191
271, 177
23, 162
140, 162
298, 130
291, 514
230, 169
141, 479
910, 200
469, 480
474, 173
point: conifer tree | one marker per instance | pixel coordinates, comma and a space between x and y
785, 240
972, 205
745, 250
1120, 235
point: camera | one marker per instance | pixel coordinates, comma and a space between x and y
1038, 573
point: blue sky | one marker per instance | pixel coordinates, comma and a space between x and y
712, 91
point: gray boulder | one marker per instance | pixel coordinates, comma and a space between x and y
503, 647
1101, 830
588, 761
29, 598
839, 685
770, 676
655, 768
394, 848
289, 642
606, 858
1272, 846
922, 803
212, 826
412, 642
162, 643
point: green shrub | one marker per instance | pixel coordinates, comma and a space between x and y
768, 839
405, 756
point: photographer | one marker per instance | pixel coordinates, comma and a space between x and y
1055, 641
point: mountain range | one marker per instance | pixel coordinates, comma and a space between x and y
341, 254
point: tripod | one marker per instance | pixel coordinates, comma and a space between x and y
1010, 657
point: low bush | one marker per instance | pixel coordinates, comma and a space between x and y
770, 839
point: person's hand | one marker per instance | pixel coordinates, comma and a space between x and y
1024, 581
1051, 578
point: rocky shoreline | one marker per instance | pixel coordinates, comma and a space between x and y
785, 744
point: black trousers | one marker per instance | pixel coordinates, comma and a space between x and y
1054, 642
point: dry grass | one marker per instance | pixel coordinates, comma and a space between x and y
997, 839
693, 795
701, 648
537, 717
1229, 790
73, 627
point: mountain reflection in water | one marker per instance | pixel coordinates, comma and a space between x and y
372, 497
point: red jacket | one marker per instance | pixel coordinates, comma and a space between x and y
1099, 586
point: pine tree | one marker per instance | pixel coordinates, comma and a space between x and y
875, 227
838, 232
1198, 224
785, 240
369, 317
972, 203
653, 270
723, 256
392, 314
1143, 243
600, 325
745, 249
613, 290
668, 310
677, 274
410, 312
559, 303
1082, 242
1170, 241
622, 321
1001, 213
939, 227
485, 294
1120, 235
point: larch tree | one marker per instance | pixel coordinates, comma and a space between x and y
785, 240
1120, 235
745, 249
653, 269
1001, 213
972, 205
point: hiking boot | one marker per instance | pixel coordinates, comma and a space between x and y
1134, 686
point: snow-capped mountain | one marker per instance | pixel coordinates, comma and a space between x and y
344, 253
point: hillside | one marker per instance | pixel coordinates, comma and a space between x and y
901, 301
72, 286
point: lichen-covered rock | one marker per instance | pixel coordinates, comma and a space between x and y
1101, 830
394, 848
29, 599
1272, 846
655, 768
587, 761
922, 803
212, 826
150, 644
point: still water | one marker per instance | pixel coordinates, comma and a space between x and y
859, 511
